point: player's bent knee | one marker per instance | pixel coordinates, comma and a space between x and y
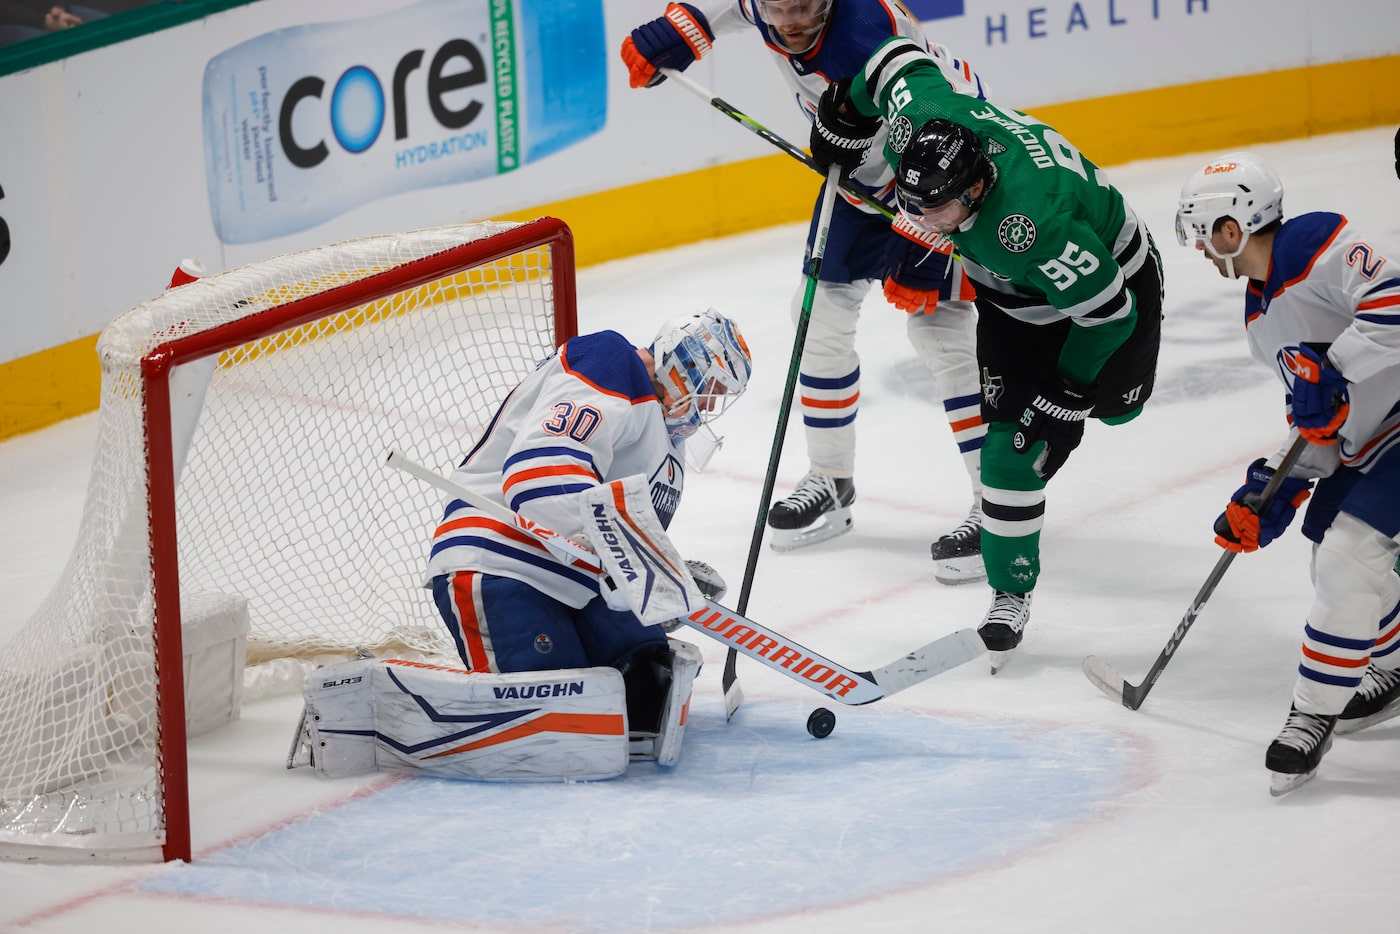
950, 330
395, 715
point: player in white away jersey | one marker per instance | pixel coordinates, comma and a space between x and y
1322, 311
813, 43
597, 410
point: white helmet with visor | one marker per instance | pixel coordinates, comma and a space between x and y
1237, 185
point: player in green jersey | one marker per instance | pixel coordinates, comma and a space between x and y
1069, 286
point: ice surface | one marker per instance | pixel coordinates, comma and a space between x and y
1028, 802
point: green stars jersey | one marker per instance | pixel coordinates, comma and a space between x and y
1052, 239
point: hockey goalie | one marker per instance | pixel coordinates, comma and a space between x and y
568, 670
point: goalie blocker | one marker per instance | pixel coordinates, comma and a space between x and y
561, 725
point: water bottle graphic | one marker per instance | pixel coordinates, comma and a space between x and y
305, 123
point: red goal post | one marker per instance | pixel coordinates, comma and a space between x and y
238, 475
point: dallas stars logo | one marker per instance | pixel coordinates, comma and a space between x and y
900, 132
1016, 233
992, 387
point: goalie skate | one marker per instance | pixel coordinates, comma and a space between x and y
818, 510
957, 556
1377, 699
1294, 755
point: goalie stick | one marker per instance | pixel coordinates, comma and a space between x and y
1103, 676
755, 640
750, 123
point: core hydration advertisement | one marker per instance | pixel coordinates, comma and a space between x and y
304, 123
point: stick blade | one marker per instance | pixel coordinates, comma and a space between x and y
1102, 676
938, 656
733, 691
733, 700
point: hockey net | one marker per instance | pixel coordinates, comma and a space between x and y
272, 394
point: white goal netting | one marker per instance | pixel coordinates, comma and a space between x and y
314, 365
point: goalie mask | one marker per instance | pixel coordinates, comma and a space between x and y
941, 163
702, 364
1237, 185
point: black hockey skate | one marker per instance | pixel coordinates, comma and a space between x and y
1294, 755
1377, 699
817, 510
957, 556
1004, 625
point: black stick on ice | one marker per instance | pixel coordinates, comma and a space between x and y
1108, 680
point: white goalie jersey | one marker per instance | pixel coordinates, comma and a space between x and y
1331, 285
587, 415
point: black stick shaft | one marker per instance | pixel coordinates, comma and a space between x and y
1135, 694
789, 390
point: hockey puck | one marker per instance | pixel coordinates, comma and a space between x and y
821, 722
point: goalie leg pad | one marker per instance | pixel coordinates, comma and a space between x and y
534, 726
538, 726
685, 667
336, 733
659, 689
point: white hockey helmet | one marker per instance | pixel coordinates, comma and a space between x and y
1237, 185
702, 363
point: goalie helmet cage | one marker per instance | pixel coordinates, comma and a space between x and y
271, 393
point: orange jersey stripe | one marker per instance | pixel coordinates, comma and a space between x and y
596, 724
561, 470
486, 522
963, 424
514, 534
1379, 303
1334, 660
464, 602
811, 403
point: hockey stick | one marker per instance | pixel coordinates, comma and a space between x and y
1102, 674
750, 123
729, 681
766, 646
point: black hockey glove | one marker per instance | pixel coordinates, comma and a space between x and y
1056, 416
840, 135
1397, 153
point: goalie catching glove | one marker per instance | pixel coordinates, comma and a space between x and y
676, 40
1056, 416
1320, 398
1242, 527
840, 135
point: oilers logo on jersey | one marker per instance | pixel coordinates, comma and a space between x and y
666, 489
